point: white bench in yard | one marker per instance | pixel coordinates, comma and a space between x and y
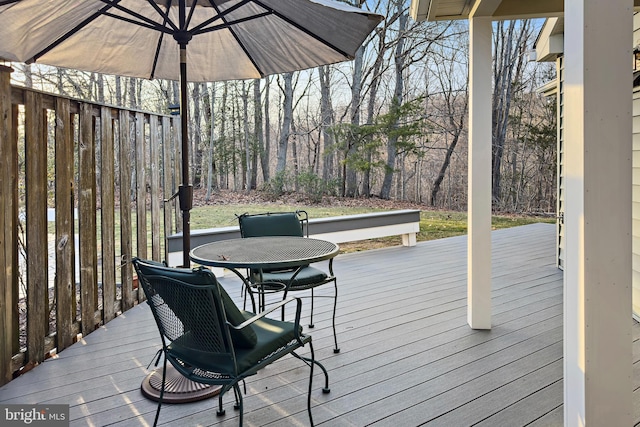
336, 229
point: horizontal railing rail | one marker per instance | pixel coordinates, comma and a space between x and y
336, 229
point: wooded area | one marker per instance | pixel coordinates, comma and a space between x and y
391, 123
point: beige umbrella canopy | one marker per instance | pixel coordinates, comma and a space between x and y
218, 39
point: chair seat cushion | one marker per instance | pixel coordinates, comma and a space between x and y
271, 336
307, 278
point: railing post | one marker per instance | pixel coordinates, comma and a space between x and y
66, 249
8, 230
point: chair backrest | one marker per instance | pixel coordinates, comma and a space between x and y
188, 309
274, 224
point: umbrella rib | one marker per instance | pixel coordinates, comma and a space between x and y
193, 7
71, 32
230, 24
159, 45
304, 30
150, 22
164, 14
198, 28
155, 26
233, 33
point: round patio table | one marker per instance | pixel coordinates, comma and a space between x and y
268, 253
264, 253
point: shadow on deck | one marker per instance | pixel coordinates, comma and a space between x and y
408, 356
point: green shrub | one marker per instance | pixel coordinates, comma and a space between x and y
276, 186
312, 186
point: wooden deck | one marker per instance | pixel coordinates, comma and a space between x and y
408, 357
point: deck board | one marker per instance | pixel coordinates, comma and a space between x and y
407, 354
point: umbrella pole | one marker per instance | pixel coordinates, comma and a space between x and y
185, 190
178, 388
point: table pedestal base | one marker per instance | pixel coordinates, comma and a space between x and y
177, 388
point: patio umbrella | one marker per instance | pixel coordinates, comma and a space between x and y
218, 39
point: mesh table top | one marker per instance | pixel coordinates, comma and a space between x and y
264, 252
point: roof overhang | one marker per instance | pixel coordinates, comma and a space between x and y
548, 89
550, 42
439, 10
444, 10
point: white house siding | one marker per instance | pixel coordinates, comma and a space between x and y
636, 173
636, 182
636, 202
560, 160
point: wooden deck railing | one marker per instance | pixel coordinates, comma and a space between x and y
99, 153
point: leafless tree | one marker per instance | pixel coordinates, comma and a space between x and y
287, 115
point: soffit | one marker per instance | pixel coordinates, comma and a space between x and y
438, 10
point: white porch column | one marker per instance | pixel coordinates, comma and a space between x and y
597, 306
479, 222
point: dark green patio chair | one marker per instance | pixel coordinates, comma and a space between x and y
208, 339
295, 279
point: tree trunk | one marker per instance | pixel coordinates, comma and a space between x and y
118, 91
100, 88
195, 139
356, 91
508, 68
258, 134
212, 180
287, 112
224, 160
247, 145
445, 164
371, 106
399, 60
133, 100
454, 108
28, 79
60, 81
266, 158
235, 112
175, 90
294, 153
326, 114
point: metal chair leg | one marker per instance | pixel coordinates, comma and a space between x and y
221, 411
313, 358
313, 361
164, 375
238, 396
239, 405
311, 324
336, 349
